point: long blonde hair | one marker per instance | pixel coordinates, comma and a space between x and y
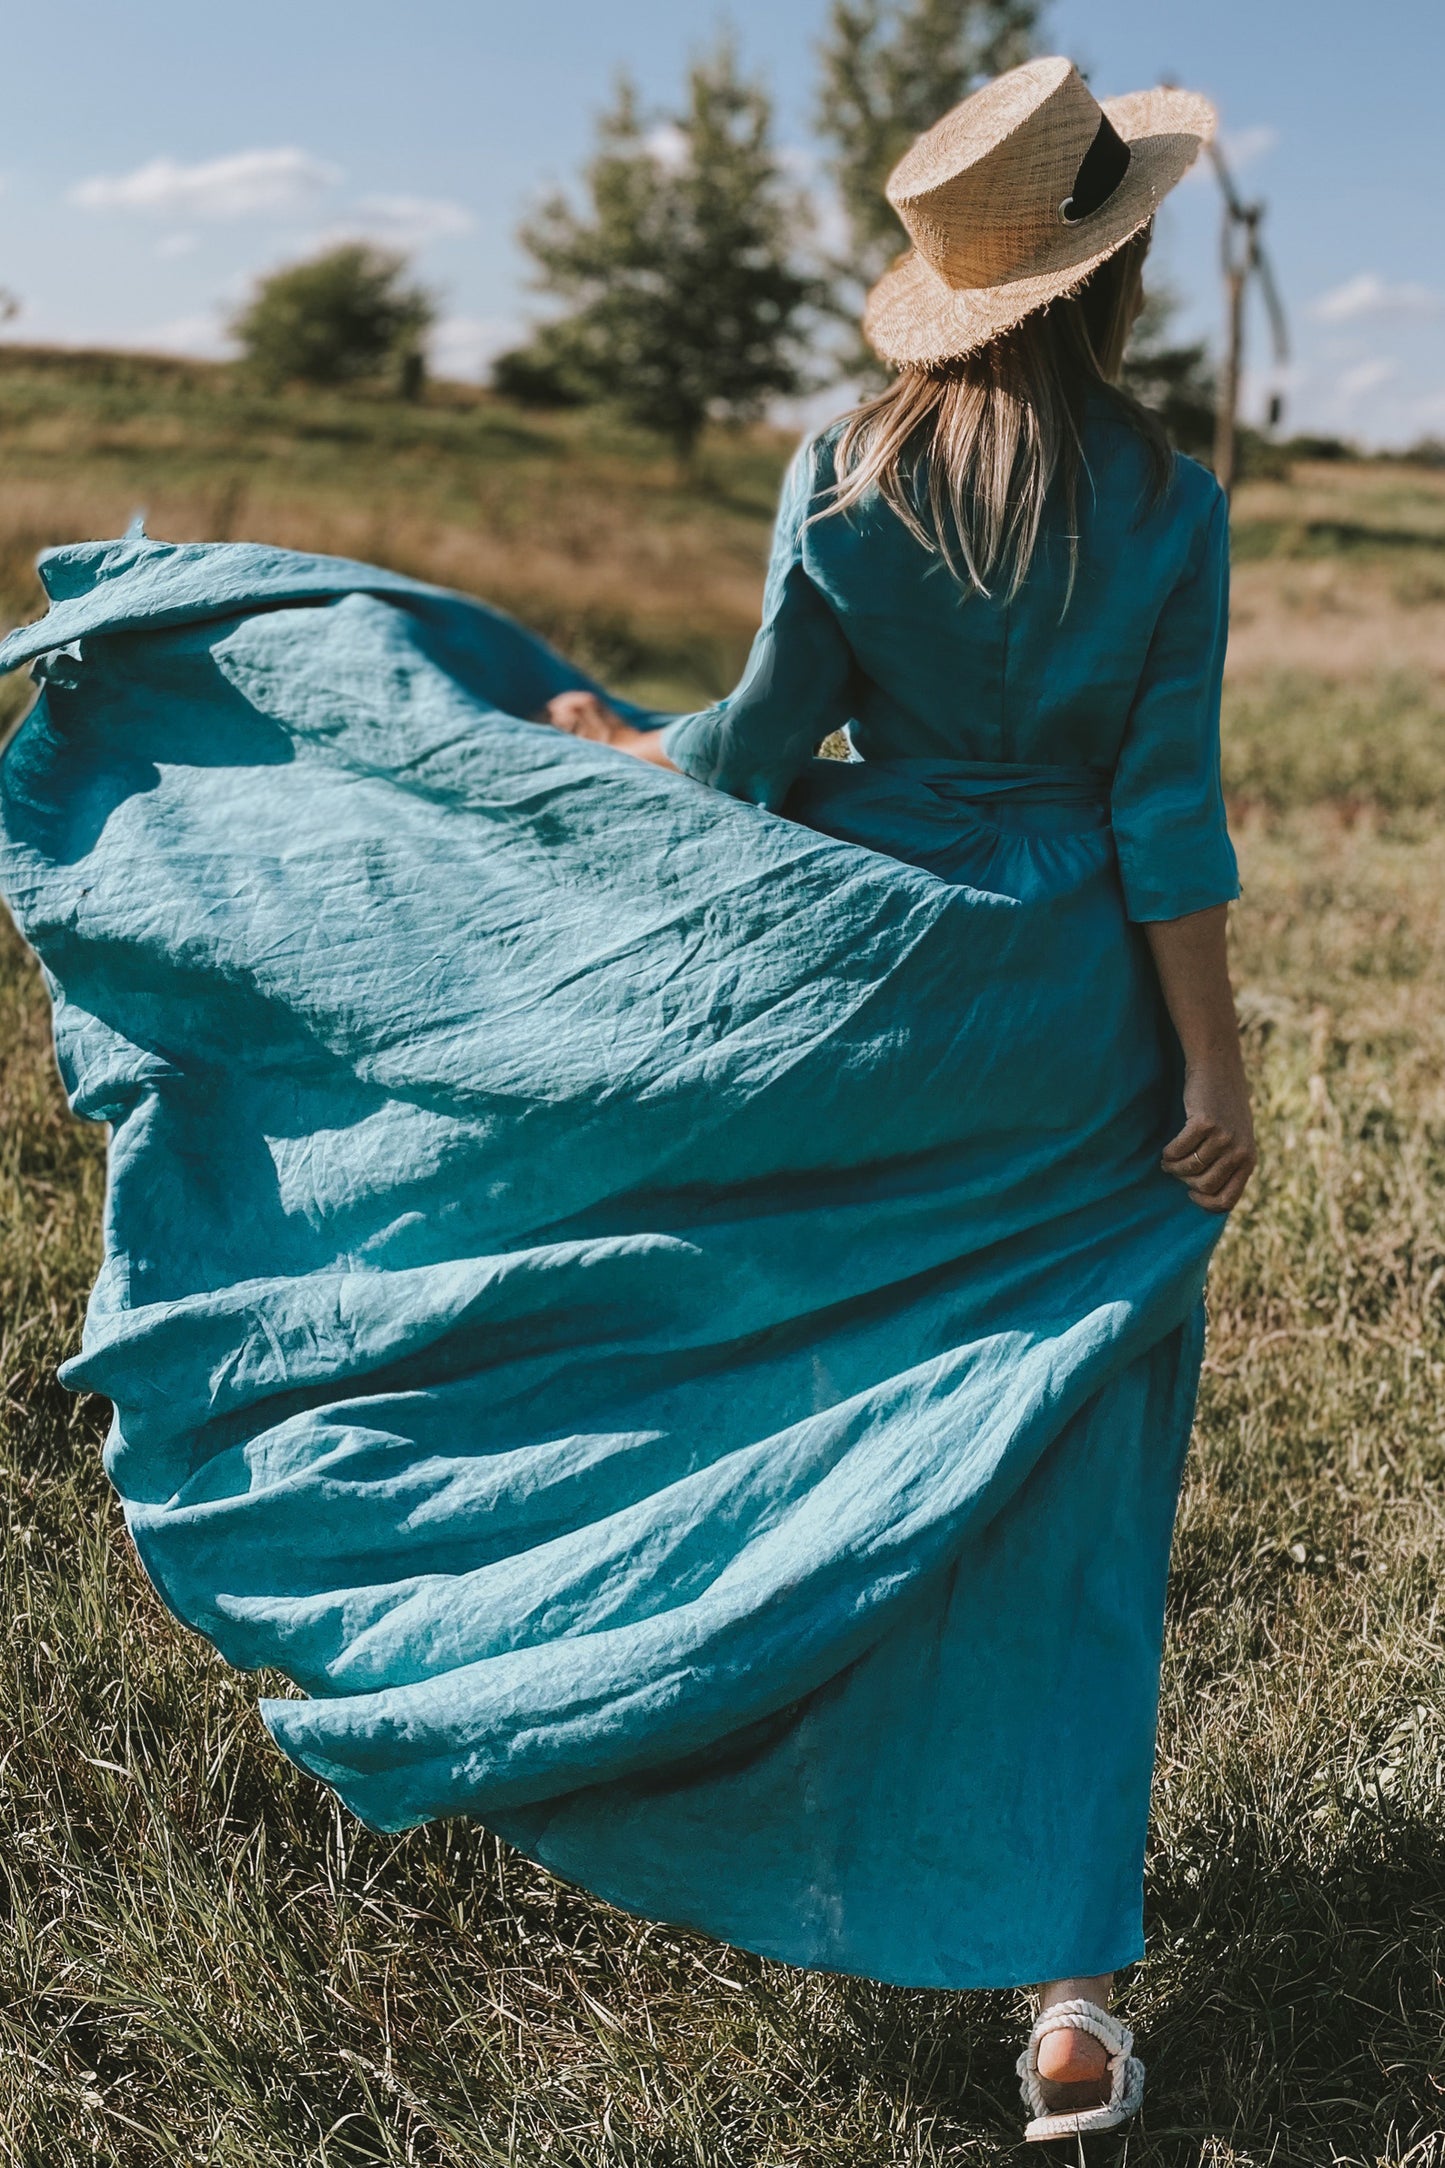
966, 454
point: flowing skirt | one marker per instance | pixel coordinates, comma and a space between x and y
662, 1320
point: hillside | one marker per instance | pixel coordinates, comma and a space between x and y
578, 527
585, 530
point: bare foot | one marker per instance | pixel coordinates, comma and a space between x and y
1074, 2065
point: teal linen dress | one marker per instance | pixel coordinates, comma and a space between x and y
656, 1307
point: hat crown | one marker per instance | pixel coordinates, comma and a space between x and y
980, 193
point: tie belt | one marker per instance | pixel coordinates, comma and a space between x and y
1031, 783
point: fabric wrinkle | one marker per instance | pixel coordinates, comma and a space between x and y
655, 1307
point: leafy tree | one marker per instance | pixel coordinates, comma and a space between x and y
890, 69
339, 318
1175, 379
684, 299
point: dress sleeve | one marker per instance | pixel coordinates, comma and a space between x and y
1167, 802
794, 691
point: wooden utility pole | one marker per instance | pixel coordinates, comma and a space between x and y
1241, 257
1244, 259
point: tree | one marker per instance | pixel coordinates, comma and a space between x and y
684, 298
890, 69
339, 318
1175, 380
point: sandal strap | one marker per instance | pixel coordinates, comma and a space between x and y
1126, 2072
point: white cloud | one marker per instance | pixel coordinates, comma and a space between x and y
1267, 380
1241, 149
669, 146
413, 221
832, 234
1247, 145
1369, 295
1429, 412
243, 185
1365, 377
178, 244
463, 346
202, 337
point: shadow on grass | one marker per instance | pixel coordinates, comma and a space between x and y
1288, 2010
1284, 2018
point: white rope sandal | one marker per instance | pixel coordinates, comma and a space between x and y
1126, 2073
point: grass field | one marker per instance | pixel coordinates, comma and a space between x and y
202, 1962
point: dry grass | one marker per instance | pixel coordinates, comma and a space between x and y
1336, 673
1338, 621
584, 531
201, 1961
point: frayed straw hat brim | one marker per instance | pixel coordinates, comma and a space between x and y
916, 319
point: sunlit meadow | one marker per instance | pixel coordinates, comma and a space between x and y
203, 1962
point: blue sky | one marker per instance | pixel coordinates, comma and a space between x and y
156, 156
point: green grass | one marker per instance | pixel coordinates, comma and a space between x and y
1290, 739
584, 529
203, 1962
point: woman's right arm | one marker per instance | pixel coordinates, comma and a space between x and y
793, 694
1214, 1154
1177, 867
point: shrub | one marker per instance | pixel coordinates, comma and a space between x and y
339, 318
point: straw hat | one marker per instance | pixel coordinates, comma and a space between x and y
1014, 197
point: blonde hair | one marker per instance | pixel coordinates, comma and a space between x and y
966, 454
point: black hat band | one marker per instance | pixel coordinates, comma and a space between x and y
1105, 163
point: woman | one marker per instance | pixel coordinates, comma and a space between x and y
677, 1328
1094, 634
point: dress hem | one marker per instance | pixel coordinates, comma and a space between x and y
963, 1980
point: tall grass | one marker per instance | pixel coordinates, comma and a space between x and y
203, 1962
583, 530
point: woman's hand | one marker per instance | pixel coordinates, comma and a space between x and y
584, 715
1214, 1154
